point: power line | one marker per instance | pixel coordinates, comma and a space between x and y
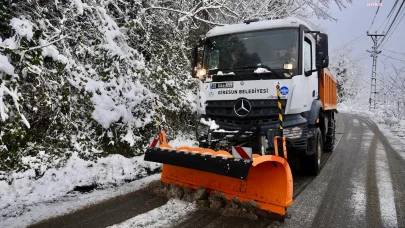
376, 12
344, 45
392, 9
389, 16
361, 58
393, 58
399, 22
361, 55
396, 15
396, 52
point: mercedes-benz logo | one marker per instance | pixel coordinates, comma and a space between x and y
242, 107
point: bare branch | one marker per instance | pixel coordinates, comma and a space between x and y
48, 44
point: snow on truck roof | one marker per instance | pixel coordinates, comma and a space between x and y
254, 26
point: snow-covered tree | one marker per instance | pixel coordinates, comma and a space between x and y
80, 76
392, 90
349, 72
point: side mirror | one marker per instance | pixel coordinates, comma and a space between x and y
309, 73
322, 56
194, 61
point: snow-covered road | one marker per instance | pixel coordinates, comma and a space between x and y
360, 185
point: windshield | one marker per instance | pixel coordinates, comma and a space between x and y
270, 49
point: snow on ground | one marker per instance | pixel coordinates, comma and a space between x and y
385, 190
164, 216
25, 200
71, 202
392, 128
359, 178
395, 138
20, 199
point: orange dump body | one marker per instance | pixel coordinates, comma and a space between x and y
328, 90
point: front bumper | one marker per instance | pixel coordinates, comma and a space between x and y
267, 127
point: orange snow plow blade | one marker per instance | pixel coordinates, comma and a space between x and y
266, 180
269, 183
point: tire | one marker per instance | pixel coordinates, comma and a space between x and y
330, 139
312, 164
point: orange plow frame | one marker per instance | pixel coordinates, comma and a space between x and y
269, 181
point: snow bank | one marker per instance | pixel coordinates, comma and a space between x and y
395, 138
385, 189
26, 200
164, 216
25, 191
392, 128
71, 202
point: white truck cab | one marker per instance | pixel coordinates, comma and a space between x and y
240, 67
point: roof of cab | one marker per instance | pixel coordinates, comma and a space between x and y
254, 26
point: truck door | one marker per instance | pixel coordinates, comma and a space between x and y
310, 82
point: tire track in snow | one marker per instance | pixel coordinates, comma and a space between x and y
373, 207
303, 211
164, 216
306, 206
336, 203
397, 170
385, 189
358, 181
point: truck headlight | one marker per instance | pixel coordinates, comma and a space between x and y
293, 132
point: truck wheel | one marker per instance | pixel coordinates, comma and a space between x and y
330, 138
312, 164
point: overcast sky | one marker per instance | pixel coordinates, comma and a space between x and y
355, 20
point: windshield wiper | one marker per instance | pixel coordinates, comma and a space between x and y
261, 66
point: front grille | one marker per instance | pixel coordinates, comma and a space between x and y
244, 121
261, 109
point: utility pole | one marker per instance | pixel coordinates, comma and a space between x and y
374, 52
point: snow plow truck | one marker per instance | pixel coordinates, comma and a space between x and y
265, 95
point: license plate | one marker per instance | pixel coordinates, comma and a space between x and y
222, 85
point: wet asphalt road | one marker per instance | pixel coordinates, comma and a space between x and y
362, 184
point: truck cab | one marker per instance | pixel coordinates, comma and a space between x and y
261, 79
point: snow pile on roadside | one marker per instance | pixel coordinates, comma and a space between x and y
396, 141
24, 190
72, 202
395, 125
164, 216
